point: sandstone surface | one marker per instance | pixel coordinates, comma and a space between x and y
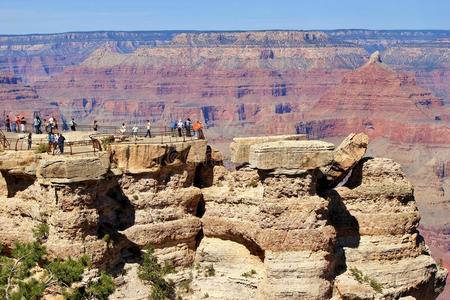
291, 155
253, 83
267, 230
240, 147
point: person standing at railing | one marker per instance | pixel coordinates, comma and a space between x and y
95, 127
30, 141
23, 122
51, 124
173, 127
198, 128
73, 125
149, 126
51, 142
135, 130
61, 140
17, 129
188, 126
37, 125
123, 129
180, 126
8, 124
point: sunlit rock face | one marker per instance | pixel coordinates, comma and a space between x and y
322, 84
274, 228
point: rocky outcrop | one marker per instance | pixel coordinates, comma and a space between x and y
271, 229
376, 221
346, 156
240, 147
277, 211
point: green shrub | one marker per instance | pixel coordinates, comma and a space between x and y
40, 233
106, 141
376, 286
102, 288
19, 270
210, 271
357, 274
151, 271
360, 277
41, 148
248, 274
28, 255
135, 197
106, 238
68, 271
29, 290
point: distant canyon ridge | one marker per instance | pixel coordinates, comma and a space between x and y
392, 85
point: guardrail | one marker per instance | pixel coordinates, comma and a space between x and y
160, 135
3, 140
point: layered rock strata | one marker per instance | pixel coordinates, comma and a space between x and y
296, 220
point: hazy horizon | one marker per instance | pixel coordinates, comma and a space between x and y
52, 16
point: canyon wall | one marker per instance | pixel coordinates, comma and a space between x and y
321, 83
296, 219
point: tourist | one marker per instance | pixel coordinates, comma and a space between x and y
60, 141
37, 124
95, 127
22, 124
51, 142
8, 124
123, 129
46, 126
135, 130
17, 128
180, 126
30, 141
173, 127
51, 124
73, 125
198, 128
188, 126
149, 126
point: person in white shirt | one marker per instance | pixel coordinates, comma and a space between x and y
180, 126
123, 129
135, 130
149, 126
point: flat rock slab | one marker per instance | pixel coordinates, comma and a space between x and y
299, 155
141, 158
240, 147
72, 169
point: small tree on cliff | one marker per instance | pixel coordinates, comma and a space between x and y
151, 271
25, 273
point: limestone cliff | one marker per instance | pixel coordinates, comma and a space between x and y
296, 219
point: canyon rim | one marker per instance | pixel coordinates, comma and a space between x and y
320, 169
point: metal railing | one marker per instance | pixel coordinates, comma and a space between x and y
3, 140
159, 135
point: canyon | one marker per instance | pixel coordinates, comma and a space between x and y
392, 85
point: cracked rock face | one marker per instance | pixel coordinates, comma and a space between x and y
278, 227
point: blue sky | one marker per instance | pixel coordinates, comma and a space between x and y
45, 16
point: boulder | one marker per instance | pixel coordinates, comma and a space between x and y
73, 169
141, 158
346, 156
240, 147
298, 155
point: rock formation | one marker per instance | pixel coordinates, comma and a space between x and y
296, 219
323, 84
